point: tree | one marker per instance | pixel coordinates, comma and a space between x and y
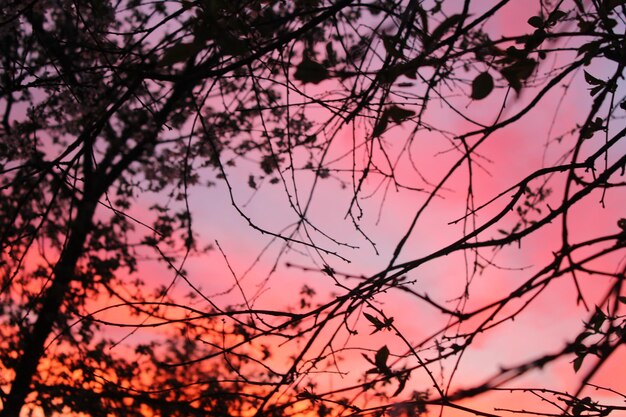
116, 113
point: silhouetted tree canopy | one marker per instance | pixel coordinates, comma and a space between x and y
318, 120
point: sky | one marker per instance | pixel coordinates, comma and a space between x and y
246, 266
512, 153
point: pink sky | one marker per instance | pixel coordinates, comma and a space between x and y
513, 153
553, 319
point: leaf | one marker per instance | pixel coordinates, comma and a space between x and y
595, 90
609, 23
524, 68
179, 53
482, 86
251, 182
445, 26
597, 320
398, 114
622, 222
534, 40
367, 358
591, 80
513, 80
231, 45
614, 54
536, 22
578, 409
578, 362
582, 337
387, 75
269, 164
589, 129
556, 15
306, 395
402, 378
328, 271
378, 324
622, 299
519, 71
380, 359
611, 4
323, 173
391, 47
585, 26
513, 52
331, 55
381, 125
309, 71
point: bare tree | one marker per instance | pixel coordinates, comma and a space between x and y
115, 113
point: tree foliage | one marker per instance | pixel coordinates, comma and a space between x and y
115, 113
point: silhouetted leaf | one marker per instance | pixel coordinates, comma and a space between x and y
231, 45
555, 16
179, 53
251, 182
391, 46
398, 114
331, 55
513, 80
378, 324
585, 26
518, 54
380, 359
595, 90
381, 125
309, 71
518, 72
582, 337
535, 21
445, 26
585, 405
615, 54
482, 86
609, 23
597, 320
402, 378
524, 68
534, 40
591, 80
269, 164
307, 395
589, 129
578, 362
328, 271
611, 4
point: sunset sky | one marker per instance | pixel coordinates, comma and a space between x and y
249, 269
508, 156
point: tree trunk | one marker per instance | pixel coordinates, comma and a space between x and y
35, 342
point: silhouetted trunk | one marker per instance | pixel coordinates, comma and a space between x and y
35, 342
